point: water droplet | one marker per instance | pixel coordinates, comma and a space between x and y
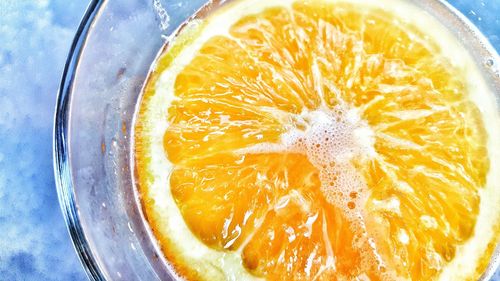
489, 62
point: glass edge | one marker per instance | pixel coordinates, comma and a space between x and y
477, 33
62, 169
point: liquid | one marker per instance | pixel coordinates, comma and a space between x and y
329, 135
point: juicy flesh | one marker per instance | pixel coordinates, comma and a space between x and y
250, 87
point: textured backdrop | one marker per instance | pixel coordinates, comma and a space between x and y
35, 36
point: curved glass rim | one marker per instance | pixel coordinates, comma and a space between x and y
61, 159
62, 165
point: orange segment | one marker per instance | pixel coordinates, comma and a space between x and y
204, 127
296, 242
249, 171
225, 209
248, 81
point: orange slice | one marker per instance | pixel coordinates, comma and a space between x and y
320, 140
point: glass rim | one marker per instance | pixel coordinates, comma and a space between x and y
61, 159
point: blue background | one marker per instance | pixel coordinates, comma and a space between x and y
35, 36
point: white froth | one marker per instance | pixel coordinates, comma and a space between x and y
332, 139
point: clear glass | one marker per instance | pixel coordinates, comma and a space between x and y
108, 64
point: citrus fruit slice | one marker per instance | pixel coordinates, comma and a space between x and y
319, 140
